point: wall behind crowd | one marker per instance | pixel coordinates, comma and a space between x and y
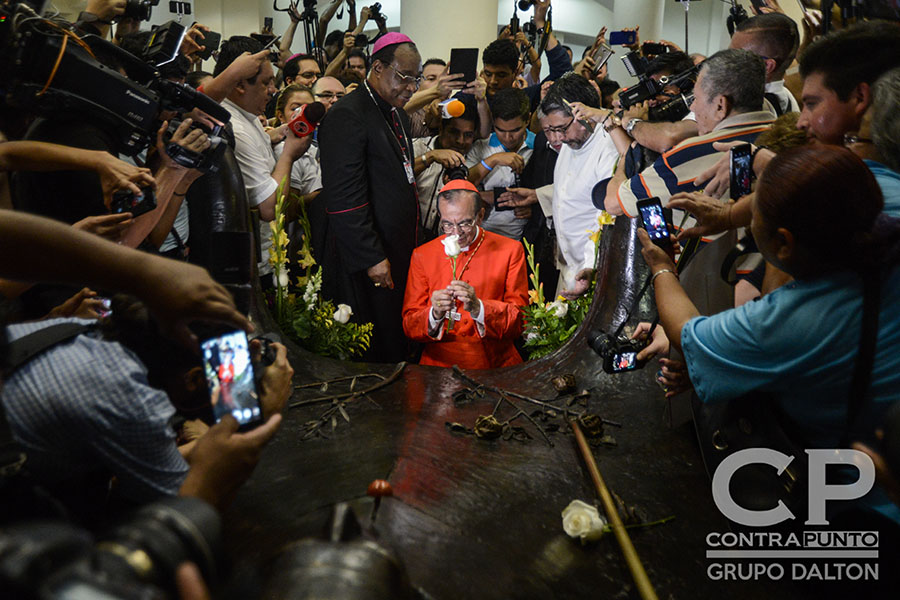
439, 25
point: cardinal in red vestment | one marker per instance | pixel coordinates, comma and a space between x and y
473, 318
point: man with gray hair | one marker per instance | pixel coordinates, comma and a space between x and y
728, 104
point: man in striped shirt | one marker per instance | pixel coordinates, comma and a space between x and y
728, 101
728, 104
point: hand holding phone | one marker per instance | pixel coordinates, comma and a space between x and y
210, 41
126, 201
601, 56
499, 191
275, 380
653, 49
622, 38
465, 61
653, 219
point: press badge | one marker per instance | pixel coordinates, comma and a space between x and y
410, 176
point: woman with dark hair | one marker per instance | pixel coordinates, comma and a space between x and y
817, 216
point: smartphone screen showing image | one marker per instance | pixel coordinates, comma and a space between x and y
106, 309
229, 374
654, 221
126, 201
741, 171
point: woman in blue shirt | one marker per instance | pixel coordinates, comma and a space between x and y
816, 217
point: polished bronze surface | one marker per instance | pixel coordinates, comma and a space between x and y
476, 518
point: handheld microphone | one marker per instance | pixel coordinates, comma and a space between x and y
452, 108
306, 118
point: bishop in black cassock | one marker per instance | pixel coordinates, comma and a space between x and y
371, 221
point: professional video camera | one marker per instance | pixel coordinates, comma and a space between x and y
619, 352
137, 559
674, 110
47, 68
164, 43
647, 88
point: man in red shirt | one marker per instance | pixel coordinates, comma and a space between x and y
472, 318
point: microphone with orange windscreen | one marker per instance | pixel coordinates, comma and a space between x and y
452, 108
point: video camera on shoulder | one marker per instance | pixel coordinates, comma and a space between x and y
41, 73
619, 353
647, 88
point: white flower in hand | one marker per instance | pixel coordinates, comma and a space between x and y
559, 307
343, 313
581, 520
451, 245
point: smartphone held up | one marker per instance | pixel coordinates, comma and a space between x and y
231, 379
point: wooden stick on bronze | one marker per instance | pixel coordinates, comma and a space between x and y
634, 562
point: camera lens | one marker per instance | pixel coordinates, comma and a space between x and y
600, 343
457, 173
160, 537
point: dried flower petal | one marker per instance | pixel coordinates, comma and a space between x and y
488, 427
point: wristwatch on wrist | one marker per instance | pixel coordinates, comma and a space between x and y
631, 125
611, 122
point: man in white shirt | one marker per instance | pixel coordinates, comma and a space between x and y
261, 171
498, 161
586, 157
